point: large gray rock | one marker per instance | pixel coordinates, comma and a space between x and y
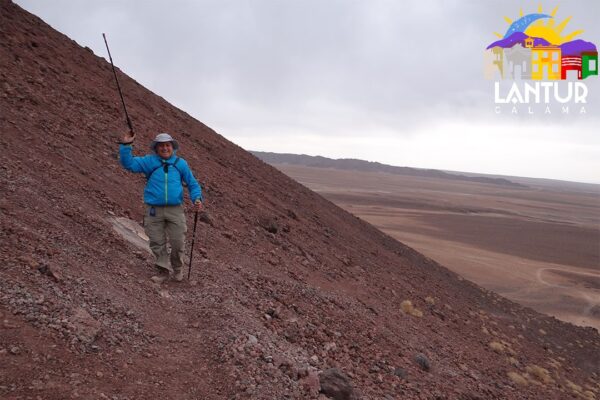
335, 384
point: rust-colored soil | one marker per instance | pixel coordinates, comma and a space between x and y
284, 284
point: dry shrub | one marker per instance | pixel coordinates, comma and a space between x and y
430, 300
497, 347
591, 388
589, 395
539, 373
508, 347
554, 364
408, 308
416, 313
517, 378
574, 387
513, 361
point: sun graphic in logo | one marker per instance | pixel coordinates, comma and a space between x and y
540, 25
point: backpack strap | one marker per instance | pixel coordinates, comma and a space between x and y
165, 165
178, 170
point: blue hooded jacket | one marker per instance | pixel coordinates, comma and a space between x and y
164, 186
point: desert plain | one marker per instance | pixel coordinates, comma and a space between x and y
538, 245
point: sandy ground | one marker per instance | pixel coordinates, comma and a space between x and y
538, 246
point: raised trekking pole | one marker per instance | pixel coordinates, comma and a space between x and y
119, 88
193, 237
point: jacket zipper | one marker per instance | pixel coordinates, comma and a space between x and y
166, 187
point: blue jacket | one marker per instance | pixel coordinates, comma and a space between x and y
162, 187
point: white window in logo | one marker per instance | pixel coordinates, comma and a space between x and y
555, 68
535, 67
535, 55
555, 56
593, 67
545, 55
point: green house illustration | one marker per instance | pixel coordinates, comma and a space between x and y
589, 64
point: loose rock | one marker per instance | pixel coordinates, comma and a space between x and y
423, 362
335, 384
86, 328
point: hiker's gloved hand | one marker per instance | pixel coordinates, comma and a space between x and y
128, 138
198, 204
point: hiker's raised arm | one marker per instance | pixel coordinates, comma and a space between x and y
128, 161
128, 138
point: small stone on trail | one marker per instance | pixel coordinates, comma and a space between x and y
311, 383
252, 340
51, 271
423, 362
8, 325
206, 218
330, 346
400, 373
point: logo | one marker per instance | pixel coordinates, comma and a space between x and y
537, 67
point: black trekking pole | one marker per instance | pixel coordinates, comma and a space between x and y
119, 88
192, 250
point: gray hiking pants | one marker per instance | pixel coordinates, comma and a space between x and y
166, 222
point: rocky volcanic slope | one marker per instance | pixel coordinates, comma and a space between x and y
289, 294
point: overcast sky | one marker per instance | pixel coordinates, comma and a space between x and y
399, 82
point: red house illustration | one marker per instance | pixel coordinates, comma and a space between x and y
570, 63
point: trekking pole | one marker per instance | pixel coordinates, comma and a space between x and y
193, 237
119, 88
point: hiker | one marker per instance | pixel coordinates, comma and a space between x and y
166, 174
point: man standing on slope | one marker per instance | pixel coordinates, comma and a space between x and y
166, 175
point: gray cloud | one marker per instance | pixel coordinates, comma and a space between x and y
330, 67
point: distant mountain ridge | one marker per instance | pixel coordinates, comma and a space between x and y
369, 166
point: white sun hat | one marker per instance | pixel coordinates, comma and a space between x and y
164, 137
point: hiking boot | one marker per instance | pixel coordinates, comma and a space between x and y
161, 276
178, 276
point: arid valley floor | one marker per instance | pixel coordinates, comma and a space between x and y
537, 245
